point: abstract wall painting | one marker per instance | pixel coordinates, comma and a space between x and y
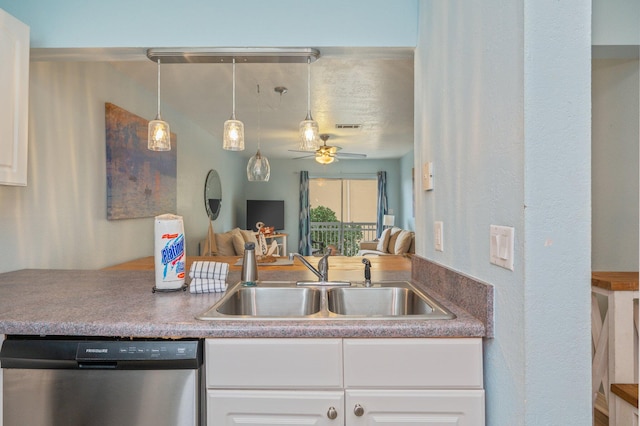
140, 183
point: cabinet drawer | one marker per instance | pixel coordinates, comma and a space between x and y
413, 363
274, 363
275, 407
415, 407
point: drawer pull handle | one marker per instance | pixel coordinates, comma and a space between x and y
358, 410
332, 413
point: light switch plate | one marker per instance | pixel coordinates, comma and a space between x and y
501, 241
427, 176
438, 237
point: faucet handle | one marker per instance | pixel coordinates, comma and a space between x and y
367, 272
323, 267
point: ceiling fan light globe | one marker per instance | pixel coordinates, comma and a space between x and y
324, 159
233, 137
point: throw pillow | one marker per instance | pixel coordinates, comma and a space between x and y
395, 232
402, 243
225, 243
249, 236
238, 242
383, 241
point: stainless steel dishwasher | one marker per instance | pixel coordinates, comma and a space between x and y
106, 382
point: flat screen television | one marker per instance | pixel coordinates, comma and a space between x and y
269, 212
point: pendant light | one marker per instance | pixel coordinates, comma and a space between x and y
258, 169
308, 127
159, 135
233, 138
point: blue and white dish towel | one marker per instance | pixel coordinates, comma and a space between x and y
208, 277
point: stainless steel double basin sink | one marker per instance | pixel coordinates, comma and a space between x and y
339, 300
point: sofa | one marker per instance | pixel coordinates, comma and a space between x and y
392, 241
229, 243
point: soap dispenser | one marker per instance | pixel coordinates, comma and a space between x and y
249, 274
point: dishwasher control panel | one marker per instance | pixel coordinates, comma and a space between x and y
136, 350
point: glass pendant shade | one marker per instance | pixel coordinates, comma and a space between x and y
258, 169
233, 137
308, 127
309, 134
158, 135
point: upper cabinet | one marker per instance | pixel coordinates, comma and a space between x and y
14, 99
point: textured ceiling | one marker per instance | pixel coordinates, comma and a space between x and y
369, 87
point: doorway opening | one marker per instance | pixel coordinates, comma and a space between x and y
343, 213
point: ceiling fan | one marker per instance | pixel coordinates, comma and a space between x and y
327, 154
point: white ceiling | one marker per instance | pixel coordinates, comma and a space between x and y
370, 87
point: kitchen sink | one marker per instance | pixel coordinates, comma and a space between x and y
377, 301
272, 302
291, 300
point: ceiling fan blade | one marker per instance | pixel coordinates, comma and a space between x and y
305, 156
350, 155
302, 151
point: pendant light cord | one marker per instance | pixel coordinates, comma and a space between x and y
259, 118
158, 117
233, 84
309, 86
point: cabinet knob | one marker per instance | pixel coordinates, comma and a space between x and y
332, 413
358, 410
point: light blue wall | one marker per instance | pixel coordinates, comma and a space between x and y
557, 208
285, 179
504, 114
166, 23
407, 187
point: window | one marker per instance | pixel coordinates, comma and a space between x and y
343, 213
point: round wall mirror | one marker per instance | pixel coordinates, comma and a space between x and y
212, 194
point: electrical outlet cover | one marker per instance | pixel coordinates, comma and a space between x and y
427, 176
438, 236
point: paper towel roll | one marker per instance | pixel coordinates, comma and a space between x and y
170, 258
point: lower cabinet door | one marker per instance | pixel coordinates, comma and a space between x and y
414, 407
274, 407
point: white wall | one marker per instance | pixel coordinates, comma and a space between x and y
503, 113
615, 164
59, 219
615, 23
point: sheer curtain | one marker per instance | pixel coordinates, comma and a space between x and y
304, 225
382, 201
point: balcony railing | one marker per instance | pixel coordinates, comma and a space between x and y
346, 236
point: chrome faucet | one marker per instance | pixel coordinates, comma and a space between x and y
323, 266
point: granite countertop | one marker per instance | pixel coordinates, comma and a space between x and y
121, 303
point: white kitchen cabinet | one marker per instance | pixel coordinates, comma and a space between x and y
414, 407
14, 86
275, 407
432, 381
